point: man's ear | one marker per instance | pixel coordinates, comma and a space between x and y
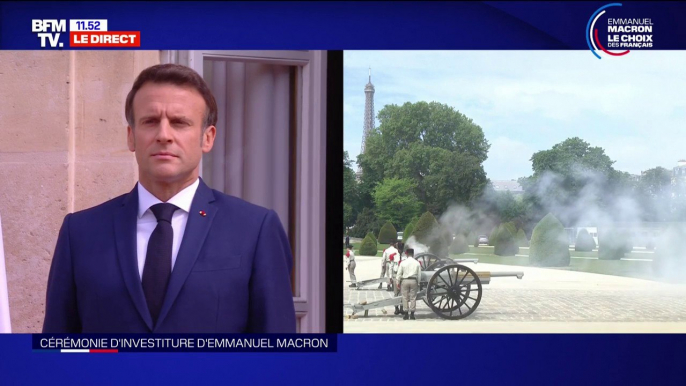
208, 136
130, 139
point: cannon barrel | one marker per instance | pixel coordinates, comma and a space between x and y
484, 276
518, 274
466, 260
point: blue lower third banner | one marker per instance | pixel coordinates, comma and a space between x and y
387, 359
116, 343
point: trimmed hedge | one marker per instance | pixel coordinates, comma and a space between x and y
549, 244
522, 241
388, 234
440, 244
424, 229
505, 243
492, 236
613, 244
368, 246
473, 239
427, 231
370, 234
584, 242
459, 245
408, 231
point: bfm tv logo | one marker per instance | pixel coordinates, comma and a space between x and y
55, 27
621, 33
82, 33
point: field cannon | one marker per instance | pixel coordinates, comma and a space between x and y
451, 290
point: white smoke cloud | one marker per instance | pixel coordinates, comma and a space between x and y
416, 245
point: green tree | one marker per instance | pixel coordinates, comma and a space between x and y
506, 206
388, 234
562, 172
432, 144
656, 181
366, 222
396, 200
549, 245
348, 219
350, 193
654, 194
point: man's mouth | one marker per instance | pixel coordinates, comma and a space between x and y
163, 155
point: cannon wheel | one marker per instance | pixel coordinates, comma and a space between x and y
454, 292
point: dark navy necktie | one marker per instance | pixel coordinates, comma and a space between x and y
158, 259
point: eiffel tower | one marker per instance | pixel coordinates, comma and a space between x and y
368, 115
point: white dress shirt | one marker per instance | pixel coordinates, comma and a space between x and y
147, 222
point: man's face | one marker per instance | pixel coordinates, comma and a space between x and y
168, 136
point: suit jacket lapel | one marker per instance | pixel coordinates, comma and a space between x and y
125, 228
194, 236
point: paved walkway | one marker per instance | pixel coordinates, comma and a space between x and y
545, 300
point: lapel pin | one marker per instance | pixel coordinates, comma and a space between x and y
202, 213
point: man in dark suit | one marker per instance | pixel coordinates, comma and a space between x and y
172, 255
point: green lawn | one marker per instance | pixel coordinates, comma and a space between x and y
635, 269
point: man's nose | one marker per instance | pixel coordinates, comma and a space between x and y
164, 134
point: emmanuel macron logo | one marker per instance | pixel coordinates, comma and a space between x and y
621, 33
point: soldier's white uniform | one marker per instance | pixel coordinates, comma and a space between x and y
350, 266
390, 256
386, 264
394, 269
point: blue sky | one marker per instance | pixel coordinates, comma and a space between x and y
633, 106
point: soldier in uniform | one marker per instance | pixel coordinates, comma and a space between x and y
408, 276
396, 288
390, 256
383, 267
350, 265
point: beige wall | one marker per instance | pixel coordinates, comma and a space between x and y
62, 149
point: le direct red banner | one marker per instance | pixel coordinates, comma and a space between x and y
105, 39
